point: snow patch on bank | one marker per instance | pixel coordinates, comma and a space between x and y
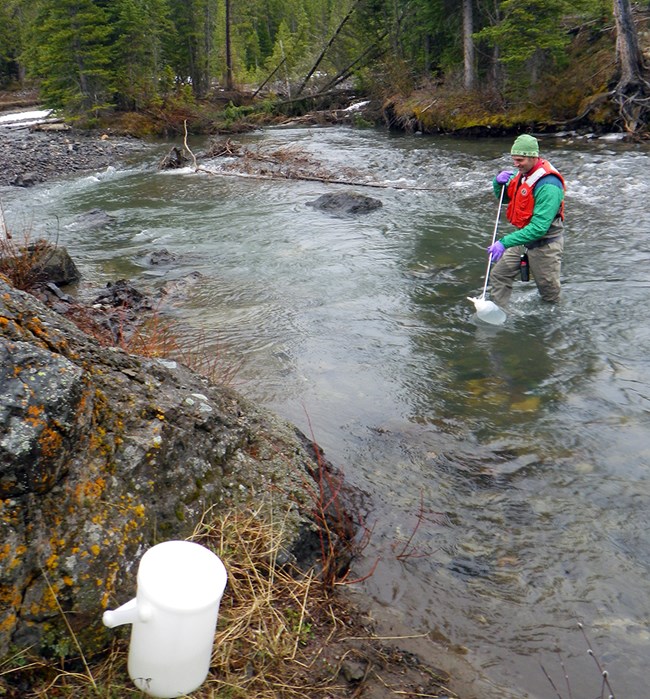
25, 117
356, 106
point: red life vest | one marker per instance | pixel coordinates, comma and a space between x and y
521, 204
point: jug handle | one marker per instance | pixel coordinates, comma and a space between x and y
128, 613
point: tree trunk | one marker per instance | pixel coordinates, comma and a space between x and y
468, 45
495, 73
271, 74
633, 89
427, 54
628, 54
229, 79
327, 46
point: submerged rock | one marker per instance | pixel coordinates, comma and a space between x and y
122, 294
345, 203
92, 220
175, 159
161, 257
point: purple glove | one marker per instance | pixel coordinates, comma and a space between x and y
496, 250
504, 176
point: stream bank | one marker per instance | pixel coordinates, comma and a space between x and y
386, 361
374, 656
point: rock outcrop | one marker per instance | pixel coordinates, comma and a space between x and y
103, 454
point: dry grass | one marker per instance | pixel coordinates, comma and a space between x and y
267, 643
273, 623
145, 333
22, 262
150, 334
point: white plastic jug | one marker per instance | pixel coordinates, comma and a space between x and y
174, 616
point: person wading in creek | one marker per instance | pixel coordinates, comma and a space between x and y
535, 195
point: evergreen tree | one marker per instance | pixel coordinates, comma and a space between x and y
16, 17
530, 35
468, 45
89, 54
139, 31
192, 50
8, 47
282, 55
73, 55
417, 37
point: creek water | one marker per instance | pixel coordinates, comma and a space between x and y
507, 468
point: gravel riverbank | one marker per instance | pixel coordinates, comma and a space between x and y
29, 155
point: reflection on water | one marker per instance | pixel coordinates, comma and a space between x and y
521, 453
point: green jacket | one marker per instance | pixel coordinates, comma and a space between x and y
548, 198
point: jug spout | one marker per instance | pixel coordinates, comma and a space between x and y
126, 614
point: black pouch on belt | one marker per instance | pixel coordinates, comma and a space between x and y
524, 268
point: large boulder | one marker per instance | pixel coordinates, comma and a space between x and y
37, 264
55, 265
103, 454
345, 203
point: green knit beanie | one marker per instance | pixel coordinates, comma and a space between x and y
525, 145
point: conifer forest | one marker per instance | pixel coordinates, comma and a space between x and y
569, 58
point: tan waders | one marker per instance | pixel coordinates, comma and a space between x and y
545, 264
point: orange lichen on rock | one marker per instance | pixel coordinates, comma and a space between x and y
34, 415
50, 442
89, 490
17, 557
7, 624
10, 596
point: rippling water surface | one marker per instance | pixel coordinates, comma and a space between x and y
513, 461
